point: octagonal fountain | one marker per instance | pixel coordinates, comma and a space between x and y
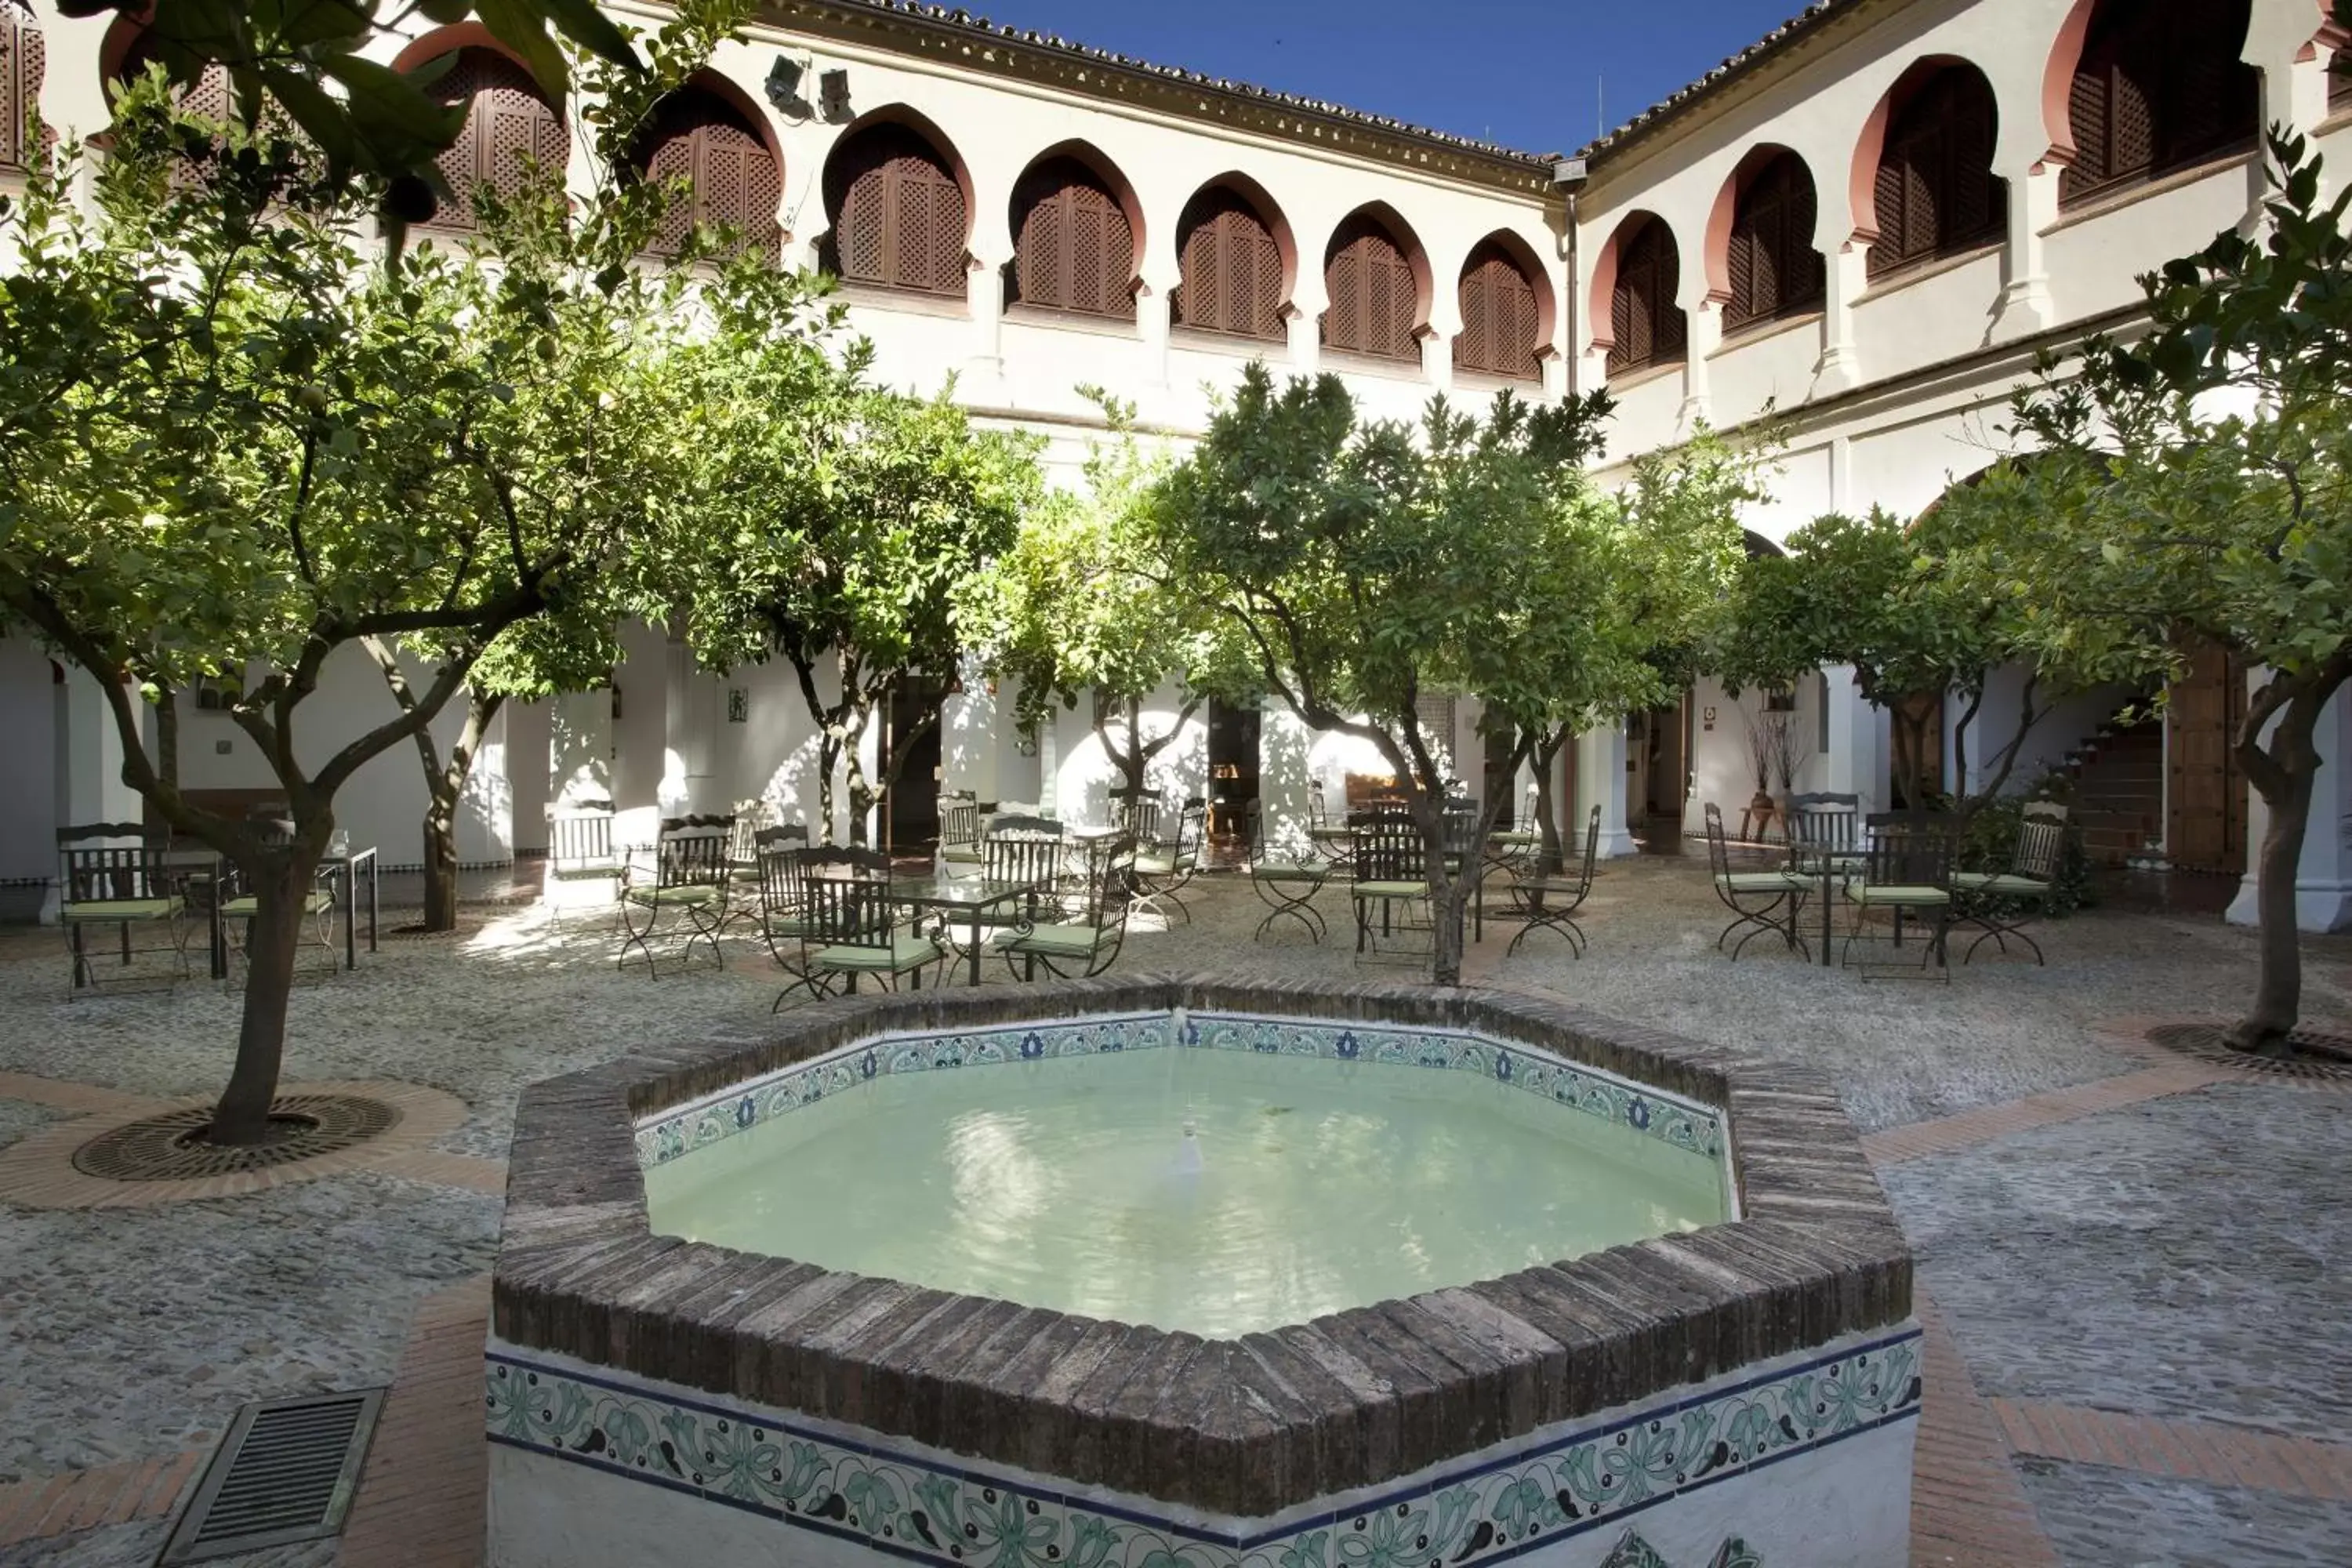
1166, 1273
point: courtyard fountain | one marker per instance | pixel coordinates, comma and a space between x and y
1174, 1272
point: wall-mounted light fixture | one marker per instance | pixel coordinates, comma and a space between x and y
833, 96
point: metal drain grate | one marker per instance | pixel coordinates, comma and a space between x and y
169, 1146
2324, 1056
286, 1472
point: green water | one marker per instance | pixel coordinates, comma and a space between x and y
1064, 1184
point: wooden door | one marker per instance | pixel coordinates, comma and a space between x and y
2205, 817
911, 807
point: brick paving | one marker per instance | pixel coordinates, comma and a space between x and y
420, 1502
75, 1500
1982, 1125
2193, 1450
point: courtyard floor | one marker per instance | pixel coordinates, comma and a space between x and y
2132, 1265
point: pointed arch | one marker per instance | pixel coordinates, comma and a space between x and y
1506, 310
1637, 322
1377, 278
1077, 234
510, 125
2150, 86
897, 200
1237, 259
1923, 184
710, 135
1762, 263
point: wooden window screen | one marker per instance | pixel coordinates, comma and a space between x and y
1231, 269
898, 217
209, 98
2159, 88
2339, 81
508, 125
731, 177
1648, 326
1073, 249
22, 52
1936, 192
1775, 270
1501, 325
1375, 299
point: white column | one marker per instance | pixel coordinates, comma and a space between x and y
1304, 319
1856, 763
968, 723
1600, 781
529, 730
1154, 306
641, 759
2323, 883
1704, 337
1437, 359
1284, 745
984, 291
1840, 366
2025, 306
89, 764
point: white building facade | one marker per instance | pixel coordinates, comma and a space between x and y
1865, 226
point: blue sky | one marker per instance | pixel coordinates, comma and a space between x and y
1521, 72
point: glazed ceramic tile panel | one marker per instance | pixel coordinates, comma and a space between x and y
1671, 1118
928, 1511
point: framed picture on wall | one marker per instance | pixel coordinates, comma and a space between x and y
738, 705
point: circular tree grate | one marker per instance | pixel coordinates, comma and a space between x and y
171, 1146
2318, 1055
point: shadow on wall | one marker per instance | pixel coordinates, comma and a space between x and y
580, 748
1088, 775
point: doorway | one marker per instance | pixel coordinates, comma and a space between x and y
1233, 770
2205, 814
910, 808
1665, 772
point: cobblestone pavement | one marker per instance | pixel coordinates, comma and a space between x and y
2147, 1260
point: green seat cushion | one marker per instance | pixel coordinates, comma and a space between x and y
1053, 940
121, 909
1164, 865
1898, 893
1764, 882
248, 906
1392, 889
686, 893
1999, 882
905, 952
1283, 871
788, 925
1521, 841
962, 854
559, 870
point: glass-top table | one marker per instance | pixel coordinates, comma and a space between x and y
967, 896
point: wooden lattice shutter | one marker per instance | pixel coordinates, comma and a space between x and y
731, 177
898, 213
1073, 248
210, 97
1935, 190
1499, 317
1375, 298
507, 126
1231, 269
20, 80
2340, 81
2159, 87
1648, 326
1775, 270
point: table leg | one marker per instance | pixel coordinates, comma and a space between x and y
1828, 871
975, 944
374, 901
351, 920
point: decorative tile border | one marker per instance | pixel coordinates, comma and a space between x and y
683, 1128
1671, 1118
928, 1511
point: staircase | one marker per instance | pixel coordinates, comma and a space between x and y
2118, 791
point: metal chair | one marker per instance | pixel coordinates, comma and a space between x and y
1515, 847
1162, 870
1906, 869
1550, 903
1089, 943
1755, 898
122, 885
849, 928
776, 855
1391, 868
688, 880
2002, 901
239, 906
1285, 884
579, 849
958, 828
1026, 849
1825, 826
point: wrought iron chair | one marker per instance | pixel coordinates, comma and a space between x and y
958, 828
239, 906
1767, 901
1163, 869
1332, 837
688, 882
1027, 849
850, 931
2002, 901
1823, 825
1087, 944
1906, 869
1391, 868
124, 886
775, 853
1515, 847
580, 849
1285, 883
1550, 903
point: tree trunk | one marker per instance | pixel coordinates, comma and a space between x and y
828, 757
2278, 984
279, 881
1546, 752
861, 792
445, 786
